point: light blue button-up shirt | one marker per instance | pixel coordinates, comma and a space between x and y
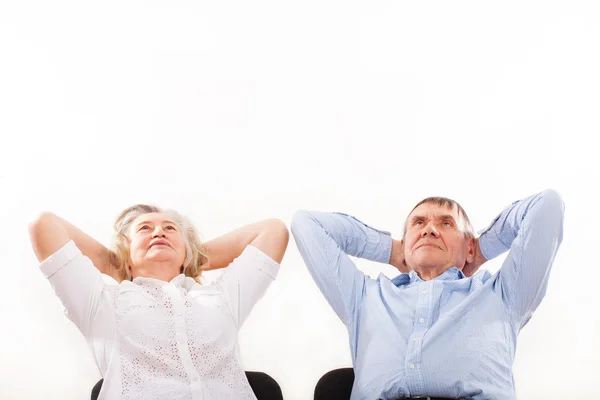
451, 336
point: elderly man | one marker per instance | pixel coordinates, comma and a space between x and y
438, 330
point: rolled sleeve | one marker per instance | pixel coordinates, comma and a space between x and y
246, 280
374, 244
59, 259
262, 262
77, 283
491, 246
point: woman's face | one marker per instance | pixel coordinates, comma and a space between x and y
156, 241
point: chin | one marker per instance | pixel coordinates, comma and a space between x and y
160, 258
430, 265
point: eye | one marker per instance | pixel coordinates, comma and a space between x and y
170, 227
447, 223
143, 227
418, 222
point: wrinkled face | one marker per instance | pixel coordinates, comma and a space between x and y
155, 239
435, 238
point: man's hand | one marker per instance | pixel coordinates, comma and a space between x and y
397, 256
471, 268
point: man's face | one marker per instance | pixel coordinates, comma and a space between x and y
436, 239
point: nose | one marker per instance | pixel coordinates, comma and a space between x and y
429, 230
158, 232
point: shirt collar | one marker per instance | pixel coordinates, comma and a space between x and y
179, 280
451, 274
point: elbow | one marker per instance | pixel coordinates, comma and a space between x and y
274, 239
553, 201
37, 225
304, 222
554, 210
299, 220
280, 230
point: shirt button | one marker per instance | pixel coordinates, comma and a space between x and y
415, 340
425, 291
412, 366
422, 320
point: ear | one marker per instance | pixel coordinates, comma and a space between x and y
402, 267
472, 243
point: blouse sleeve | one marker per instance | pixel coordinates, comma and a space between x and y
77, 283
246, 280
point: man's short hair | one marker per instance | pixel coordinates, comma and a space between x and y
448, 203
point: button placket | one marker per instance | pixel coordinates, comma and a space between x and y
420, 327
182, 340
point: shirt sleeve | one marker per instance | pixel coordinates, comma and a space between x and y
325, 240
532, 228
77, 283
246, 280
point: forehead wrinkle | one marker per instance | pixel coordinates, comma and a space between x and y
438, 213
166, 221
436, 209
146, 219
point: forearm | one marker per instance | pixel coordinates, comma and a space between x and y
532, 228
49, 233
323, 240
270, 236
544, 209
354, 237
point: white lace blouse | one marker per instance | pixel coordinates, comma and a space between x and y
163, 340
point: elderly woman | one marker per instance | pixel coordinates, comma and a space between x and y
154, 330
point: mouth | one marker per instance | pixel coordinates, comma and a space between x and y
429, 245
159, 243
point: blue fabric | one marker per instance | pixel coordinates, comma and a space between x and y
453, 336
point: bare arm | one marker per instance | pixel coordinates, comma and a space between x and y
269, 236
49, 232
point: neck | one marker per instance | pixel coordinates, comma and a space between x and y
429, 273
157, 270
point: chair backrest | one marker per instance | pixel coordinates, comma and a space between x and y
263, 386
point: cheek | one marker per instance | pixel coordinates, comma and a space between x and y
135, 246
179, 243
411, 240
458, 247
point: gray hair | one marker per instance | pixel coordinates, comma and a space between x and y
196, 258
448, 203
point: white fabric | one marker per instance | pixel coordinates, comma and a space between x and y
156, 340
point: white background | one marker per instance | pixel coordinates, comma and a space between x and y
234, 111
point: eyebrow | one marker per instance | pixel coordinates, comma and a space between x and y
446, 216
441, 216
168, 222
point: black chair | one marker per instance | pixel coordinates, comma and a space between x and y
263, 386
335, 385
